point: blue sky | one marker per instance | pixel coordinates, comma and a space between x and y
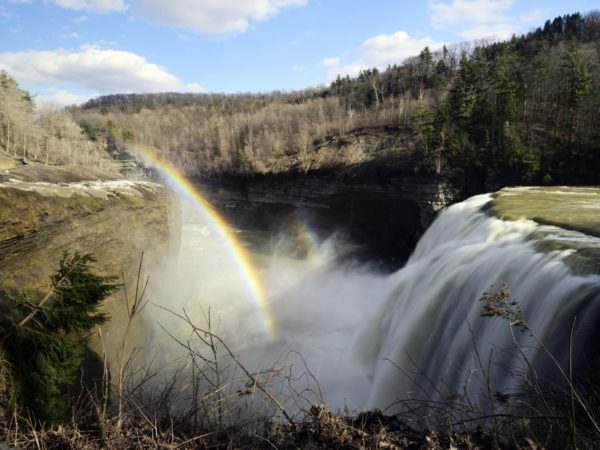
66, 51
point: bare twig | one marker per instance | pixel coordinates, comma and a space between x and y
251, 377
133, 310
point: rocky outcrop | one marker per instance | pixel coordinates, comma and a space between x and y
114, 220
384, 214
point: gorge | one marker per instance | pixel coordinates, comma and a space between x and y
404, 257
373, 339
290, 294
369, 330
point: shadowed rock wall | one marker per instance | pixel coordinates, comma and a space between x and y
385, 216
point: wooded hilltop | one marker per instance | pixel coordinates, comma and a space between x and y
525, 110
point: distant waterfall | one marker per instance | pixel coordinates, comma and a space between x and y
421, 341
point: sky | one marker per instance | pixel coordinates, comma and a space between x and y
67, 51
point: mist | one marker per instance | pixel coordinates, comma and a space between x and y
317, 303
348, 336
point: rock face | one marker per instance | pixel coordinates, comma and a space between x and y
384, 215
114, 220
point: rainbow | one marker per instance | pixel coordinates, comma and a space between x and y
309, 241
177, 181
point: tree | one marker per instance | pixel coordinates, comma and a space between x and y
425, 64
424, 122
15, 110
506, 84
46, 133
464, 95
44, 342
579, 83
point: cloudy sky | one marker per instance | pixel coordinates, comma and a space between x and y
69, 50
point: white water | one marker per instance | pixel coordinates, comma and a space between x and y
349, 323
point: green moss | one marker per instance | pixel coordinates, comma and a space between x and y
575, 209
572, 209
85, 202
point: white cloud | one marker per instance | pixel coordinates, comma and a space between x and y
194, 87
79, 20
394, 48
477, 19
297, 68
94, 69
92, 5
352, 70
499, 31
4, 13
72, 35
460, 12
59, 98
381, 51
331, 62
536, 16
211, 16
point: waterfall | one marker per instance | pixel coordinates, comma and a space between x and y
425, 338
371, 339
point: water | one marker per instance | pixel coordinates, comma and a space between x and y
352, 337
430, 322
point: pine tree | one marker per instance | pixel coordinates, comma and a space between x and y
579, 84
44, 343
464, 95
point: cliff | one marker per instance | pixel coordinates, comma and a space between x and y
384, 213
115, 220
369, 185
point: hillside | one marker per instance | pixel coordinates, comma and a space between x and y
520, 111
46, 136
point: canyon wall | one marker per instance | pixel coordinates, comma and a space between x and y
114, 220
383, 215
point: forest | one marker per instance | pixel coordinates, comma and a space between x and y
524, 110
42, 134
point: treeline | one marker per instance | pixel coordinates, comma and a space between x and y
47, 135
214, 137
524, 109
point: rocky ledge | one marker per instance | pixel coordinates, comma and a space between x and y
114, 220
383, 215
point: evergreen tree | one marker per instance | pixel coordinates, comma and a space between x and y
506, 85
579, 83
44, 342
464, 95
424, 121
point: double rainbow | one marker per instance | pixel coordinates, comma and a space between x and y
308, 240
239, 254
